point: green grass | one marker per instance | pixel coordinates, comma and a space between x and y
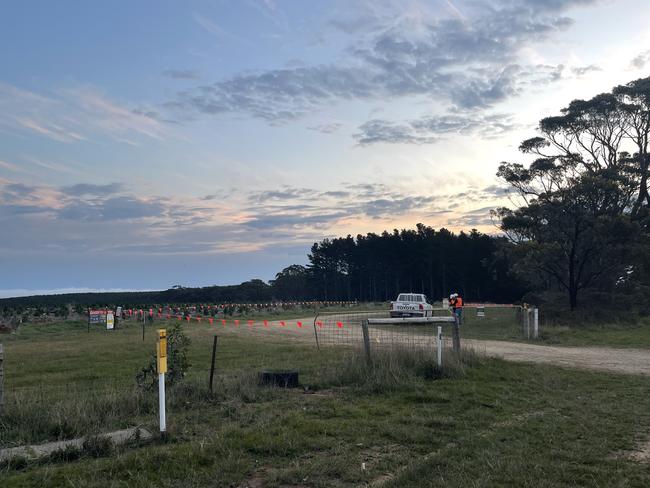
482, 423
504, 324
635, 335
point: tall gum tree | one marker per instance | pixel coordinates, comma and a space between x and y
582, 206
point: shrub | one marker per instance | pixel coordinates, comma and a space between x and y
177, 361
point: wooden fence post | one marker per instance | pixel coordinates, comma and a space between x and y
316, 332
366, 340
214, 355
439, 346
456, 334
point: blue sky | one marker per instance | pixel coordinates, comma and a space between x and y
147, 144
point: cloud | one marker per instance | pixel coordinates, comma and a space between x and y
10, 166
583, 70
89, 219
430, 129
640, 61
115, 208
284, 193
75, 115
386, 207
479, 217
472, 63
181, 74
50, 130
377, 130
90, 189
326, 128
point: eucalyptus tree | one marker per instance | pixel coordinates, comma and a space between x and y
581, 205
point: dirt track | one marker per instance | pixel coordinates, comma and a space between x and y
629, 361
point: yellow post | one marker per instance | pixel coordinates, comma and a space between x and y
161, 356
162, 351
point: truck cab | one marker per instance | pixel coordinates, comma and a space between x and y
411, 305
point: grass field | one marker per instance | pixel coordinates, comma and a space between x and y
482, 423
504, 324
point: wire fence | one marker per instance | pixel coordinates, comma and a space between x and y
335, 331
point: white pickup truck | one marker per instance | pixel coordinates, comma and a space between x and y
411, 305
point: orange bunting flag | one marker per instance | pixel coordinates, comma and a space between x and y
211, 321
223, 322
319, 323
250, 323
282, 323
179, 317
188, 318
168, 317
299, 324
236, 322
198, 319
266, 323
340, 324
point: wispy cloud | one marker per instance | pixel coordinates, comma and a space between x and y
181, 74
52, 131
470, 63
640, 60
11, 167
75, 115
90, 218
431, 129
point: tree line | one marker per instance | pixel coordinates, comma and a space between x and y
377, 267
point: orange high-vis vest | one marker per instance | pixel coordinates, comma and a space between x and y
456, 302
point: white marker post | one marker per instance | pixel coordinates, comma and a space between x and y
439, 346
536, 323
162, 369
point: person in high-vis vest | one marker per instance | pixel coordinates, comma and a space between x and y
456, 305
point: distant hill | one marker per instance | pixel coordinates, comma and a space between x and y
249, 292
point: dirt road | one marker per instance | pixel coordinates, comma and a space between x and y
631, 361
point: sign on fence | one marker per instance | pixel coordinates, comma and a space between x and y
110, 321
97, 316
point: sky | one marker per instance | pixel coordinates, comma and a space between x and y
154, 143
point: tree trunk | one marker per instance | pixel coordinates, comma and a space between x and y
573, 297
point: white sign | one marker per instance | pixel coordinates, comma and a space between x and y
109, 321
118, 312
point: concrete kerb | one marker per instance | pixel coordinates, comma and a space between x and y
33, 452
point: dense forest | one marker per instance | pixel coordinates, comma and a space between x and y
578, 233
376, 267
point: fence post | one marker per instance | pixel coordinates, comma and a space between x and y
536, 323
161, 360
2, 377
456, 334
214, 354
525, 317
439, 346
366, 340
316, 332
